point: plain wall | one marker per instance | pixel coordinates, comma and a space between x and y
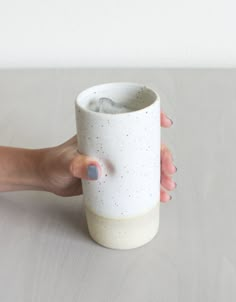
109, 33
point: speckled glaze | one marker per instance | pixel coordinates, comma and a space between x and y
127, 146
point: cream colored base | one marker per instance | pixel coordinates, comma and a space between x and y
124, 233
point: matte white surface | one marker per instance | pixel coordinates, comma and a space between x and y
45, 252
122, 33
127, 146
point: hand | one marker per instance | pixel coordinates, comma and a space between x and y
62, 168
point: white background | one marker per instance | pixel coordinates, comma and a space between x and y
121, 33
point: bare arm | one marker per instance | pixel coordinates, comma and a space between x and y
19, 169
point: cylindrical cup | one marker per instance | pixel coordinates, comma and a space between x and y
122, 206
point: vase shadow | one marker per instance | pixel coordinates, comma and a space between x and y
40, 209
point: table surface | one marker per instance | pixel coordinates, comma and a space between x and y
46, 253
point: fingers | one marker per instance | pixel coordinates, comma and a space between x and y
167, 182
167, 170
85, 167
167, 166
164, 197
166, 122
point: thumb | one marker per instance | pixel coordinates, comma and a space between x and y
85, 167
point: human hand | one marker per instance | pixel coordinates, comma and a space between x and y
62, 168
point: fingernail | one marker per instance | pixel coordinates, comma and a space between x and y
92, 172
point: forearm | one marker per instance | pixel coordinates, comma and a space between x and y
20, 169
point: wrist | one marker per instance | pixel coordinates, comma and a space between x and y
35, 177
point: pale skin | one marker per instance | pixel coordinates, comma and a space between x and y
59, 169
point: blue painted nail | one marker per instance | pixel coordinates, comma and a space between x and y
92, 172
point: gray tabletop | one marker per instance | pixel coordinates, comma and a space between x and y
45, 250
